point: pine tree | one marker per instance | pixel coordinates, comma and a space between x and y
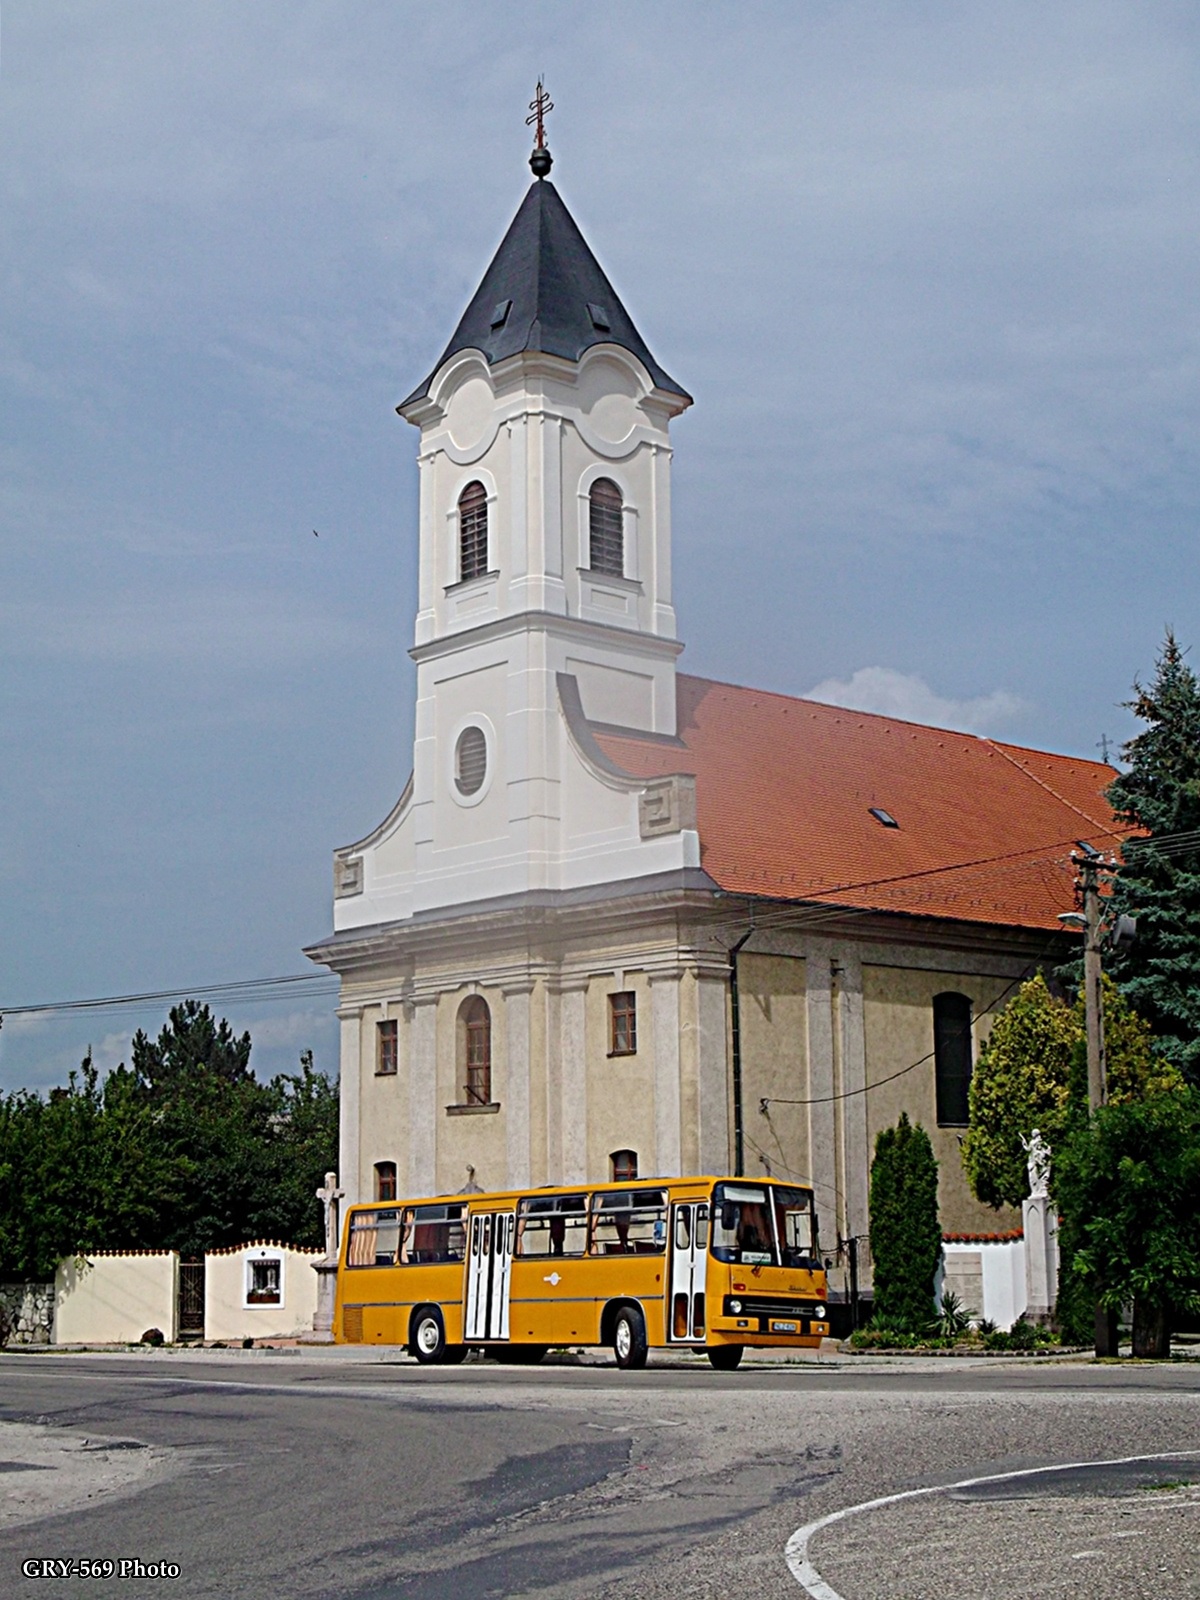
1160, 881
906, 1235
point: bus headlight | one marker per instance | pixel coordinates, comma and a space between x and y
735, 1306
819, 1313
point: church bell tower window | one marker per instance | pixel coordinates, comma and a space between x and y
606, 528
470, 761
472, 532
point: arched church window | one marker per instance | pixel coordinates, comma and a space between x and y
472, 532
606, 528
470, 761
952, 1058
475, 1052
623, 1164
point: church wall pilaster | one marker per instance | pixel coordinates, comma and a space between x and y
852, 1104
573, 1079
350, 1019
822, 1131
552, 1171
713, 1153
664, 998
518, 1086
422, 1095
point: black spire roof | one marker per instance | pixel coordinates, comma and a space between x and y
546, 291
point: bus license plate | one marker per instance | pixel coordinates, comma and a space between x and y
783, 1327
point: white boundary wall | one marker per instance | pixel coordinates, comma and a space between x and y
229, 1312
113, 1297
987, 1274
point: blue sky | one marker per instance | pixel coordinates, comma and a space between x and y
929, 271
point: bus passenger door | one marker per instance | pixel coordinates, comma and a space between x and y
489, 1270
689, 1253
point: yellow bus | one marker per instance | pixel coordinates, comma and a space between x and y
704, 1264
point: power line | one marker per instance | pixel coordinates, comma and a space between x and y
253, 990
767, 1101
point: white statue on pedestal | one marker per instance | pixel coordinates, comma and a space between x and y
1039, 1165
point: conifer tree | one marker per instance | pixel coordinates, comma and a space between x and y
906, 1235
1159, 883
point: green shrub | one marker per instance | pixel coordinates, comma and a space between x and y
906, 1235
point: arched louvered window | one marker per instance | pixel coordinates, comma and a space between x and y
472, 532
952, 1058
470, 761
606, 528
475, 1052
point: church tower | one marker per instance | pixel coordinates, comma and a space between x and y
497, 933
544, 592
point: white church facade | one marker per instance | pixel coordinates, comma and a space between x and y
625, 921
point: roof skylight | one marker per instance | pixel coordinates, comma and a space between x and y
886, 817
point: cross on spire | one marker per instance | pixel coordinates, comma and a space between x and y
541, 103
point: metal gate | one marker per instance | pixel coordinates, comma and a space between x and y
489, 1264
191, 1300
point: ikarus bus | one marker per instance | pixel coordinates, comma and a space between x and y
709, 1264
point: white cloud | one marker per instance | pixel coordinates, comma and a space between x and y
904, 694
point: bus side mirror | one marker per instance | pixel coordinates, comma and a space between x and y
729, 1217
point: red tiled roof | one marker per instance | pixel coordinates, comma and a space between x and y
783, 788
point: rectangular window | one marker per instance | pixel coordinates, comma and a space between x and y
952, 1059
387, 1050
265, 1286
407, 1237
742, 1231
374, 1238
630, 1223
432, 1234
622, 1011
552, 1225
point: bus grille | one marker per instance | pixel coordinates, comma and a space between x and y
758, 1306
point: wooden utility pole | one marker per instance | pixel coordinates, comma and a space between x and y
1090, 867
1093, 991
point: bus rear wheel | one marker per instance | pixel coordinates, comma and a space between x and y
427, 1339
629, 1338
725, 1357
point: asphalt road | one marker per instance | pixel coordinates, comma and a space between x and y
347, 1478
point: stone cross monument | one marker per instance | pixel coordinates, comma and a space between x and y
329, 1194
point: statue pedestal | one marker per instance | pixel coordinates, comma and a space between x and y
1041, 1258
322, 1328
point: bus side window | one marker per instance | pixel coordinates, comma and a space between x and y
629, 1222
552, 1225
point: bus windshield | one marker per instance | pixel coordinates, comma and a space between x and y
756, 1225
795, 1227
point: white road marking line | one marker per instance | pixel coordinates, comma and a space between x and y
809, 1579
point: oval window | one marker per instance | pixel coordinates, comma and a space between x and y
470, 761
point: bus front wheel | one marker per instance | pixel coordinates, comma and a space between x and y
725, 1357
629, 1338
